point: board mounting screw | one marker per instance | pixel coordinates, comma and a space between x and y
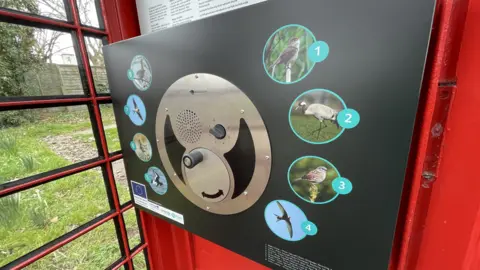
174, 174
196, 76
208, 208
242, 111
166, 109
267, 157
245, 193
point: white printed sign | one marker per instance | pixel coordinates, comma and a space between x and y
155, 15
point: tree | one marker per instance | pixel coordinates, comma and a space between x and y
16, 59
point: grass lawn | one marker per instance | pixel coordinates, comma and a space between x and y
38, 215
306, 127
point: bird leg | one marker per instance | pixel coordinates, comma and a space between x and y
322, 125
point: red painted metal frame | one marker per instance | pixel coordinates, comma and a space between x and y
25, 103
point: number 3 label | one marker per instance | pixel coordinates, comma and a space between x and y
342, 185
348, 118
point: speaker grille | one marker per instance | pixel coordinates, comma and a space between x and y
189, 127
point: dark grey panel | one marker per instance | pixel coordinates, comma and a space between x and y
376, 61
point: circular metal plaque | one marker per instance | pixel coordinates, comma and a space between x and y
195, 104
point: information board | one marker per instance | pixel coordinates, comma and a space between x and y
280, 130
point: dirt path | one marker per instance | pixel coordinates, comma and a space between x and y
75, 151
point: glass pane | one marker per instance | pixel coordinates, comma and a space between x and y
50, 8
39, 140
37, 62
97, 249
97, 64
110, 128
31, 218
88, 12
121, 181
139, 261
132, 228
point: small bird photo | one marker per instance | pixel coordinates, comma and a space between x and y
285, 220
285, 56
157, 180
143, 148
311, 179
313, 116
142, 72
137, 111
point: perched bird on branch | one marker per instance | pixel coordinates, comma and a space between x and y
288, 56
315, 176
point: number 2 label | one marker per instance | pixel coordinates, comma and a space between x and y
348, 120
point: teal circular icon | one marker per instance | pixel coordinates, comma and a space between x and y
126, 109
285, 55
348, 118
309, 228
342, 185
147, 178
318, 51
130, 74
133, 145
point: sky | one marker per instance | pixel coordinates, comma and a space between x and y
64, 44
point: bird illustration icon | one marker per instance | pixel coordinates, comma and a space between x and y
285, 217
140, 75
315, 176
288, 56
156, 179
321, 112
136, 109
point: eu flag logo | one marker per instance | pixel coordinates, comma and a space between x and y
139, 190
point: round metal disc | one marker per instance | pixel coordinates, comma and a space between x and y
195, 104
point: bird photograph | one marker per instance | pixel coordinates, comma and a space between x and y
143, 74
157, 180
136, 110
284, 217
285, 220
311, 179
143, 148
287, 50
313, 116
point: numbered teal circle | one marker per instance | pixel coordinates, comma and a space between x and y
309, 228
348, 118
318, 51
133, 145
126, 110
342, 186
130, 74
287, 49
147, 178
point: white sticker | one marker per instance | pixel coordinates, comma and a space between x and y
155, 15
166, 212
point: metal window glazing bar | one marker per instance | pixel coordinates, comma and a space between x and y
123, 240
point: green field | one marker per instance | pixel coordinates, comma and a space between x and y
307, 126
38, 215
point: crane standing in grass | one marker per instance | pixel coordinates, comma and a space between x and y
321, 112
